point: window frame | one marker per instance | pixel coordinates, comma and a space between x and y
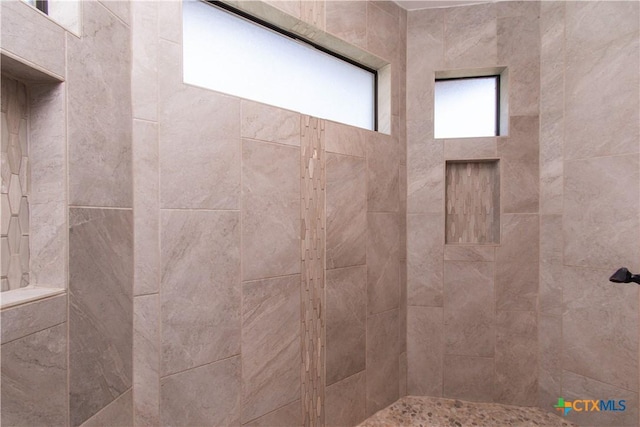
498, 110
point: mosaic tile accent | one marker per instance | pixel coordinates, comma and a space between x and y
473, 202
15, 186
312, 248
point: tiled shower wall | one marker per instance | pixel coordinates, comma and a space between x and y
472, 320
589, 205
230, 326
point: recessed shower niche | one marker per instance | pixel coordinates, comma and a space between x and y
33, 194
472, 201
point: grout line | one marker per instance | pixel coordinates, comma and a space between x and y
35, 332
199, 366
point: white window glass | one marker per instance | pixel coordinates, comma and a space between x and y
227, 53
466, 107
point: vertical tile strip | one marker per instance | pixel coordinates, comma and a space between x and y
312, 252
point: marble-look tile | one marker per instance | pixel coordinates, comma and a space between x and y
291, 7
599, 194
516, 359
146, 204
26, 319
425, 349
120, 8
345, 317
30, 35
403, 306
425, 176
382, 363
468, 378
200, 288
205, 396
382, 262
382, 32
199, 165
550, 290
470, 36
402, 218
520, 173
404, 362
288, 415
34, 379
267, 123
117, 413
382, 173
346, 210
576, 386
100, 308
611, 311
271, 210
604, 72
469, 253
99, 145
146, 360
517, 269
551, 154
425, 239
348, 20
345, 401
144, 52
344, 139
518, 39
550, 345
470, 148
48, 244
469, 308
170, 21
270, 345
313, 12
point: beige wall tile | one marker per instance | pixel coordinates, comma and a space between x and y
346, 210
144, 52
520, 166
470, 148
516, 360
517, 269
200, 288
382, 32
28, 34
382, 173
425, 238
383, 289
267, 123
34, 379
346, 314
170, 21
579, 387
611, 311
470, 36
120, 8
207, 395
468, 378
348, 20
100, 334
146, 204
382, 374
344, 139
117, 413
26, 319
425, 349
425, 176
146, 360
271, 210
346, 401
288, 415
469, 253
103, 179
469, 308
550, 345
270, 345
550, 289
595, 76
601, 196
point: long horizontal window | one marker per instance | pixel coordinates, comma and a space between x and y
229, 53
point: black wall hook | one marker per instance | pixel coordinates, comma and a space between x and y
624, 276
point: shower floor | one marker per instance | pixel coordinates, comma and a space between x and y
412, 411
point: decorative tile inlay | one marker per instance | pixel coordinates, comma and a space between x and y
15, 176
473, 202
312, 249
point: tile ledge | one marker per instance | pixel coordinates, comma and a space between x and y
27, 294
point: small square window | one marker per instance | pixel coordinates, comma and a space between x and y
467, 107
